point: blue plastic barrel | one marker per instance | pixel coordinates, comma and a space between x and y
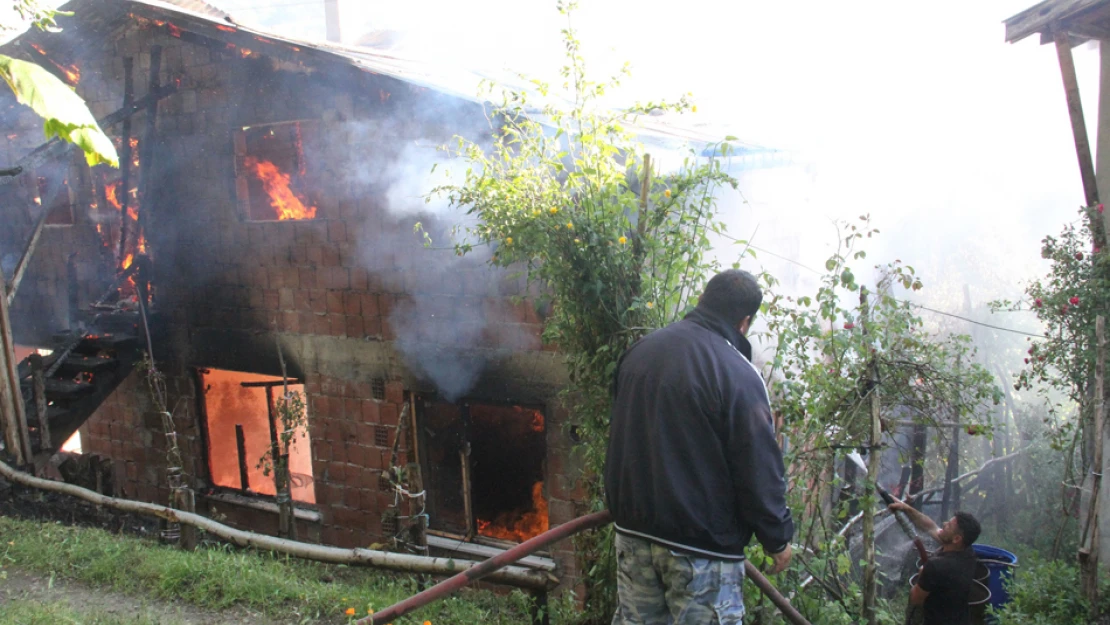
1001, 565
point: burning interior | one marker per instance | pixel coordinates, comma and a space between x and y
272, 172
485, 465
241, 424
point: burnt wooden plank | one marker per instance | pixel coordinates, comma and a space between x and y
56, 388
109, 341
87, 364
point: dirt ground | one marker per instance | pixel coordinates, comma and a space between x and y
21, 585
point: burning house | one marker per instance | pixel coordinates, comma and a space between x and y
261, 227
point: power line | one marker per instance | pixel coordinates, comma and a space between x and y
914, 304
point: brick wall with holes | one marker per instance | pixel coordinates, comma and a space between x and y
350, 294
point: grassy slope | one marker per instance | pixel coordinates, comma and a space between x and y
219, 577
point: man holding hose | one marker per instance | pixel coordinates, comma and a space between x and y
693, 468
944, 584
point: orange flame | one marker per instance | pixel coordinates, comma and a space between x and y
72, 72
174, 30
127, 261
276, 185
111, 192
245, 52
226, 29
529, 525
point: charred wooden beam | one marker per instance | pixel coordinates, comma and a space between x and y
241, 446
270, 384
146, 150
56, 148
125, 156
25, 259
40, 401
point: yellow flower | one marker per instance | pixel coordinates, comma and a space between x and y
570, 226
427, 623
369, 610
350, 612
508, 241
343, 599
667, 193
694, 109
577, 240
536, 213
622, 240
650, 305
554, 210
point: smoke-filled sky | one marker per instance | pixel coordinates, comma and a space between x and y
956, 143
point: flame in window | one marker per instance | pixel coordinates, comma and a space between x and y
525, 526
276, 185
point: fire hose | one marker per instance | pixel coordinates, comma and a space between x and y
530, 546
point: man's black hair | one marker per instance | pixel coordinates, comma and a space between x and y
733, 295
969, 527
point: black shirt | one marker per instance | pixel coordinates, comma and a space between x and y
947, 577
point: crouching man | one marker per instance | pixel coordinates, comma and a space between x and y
943, 585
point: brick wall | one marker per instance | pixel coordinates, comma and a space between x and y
351, 297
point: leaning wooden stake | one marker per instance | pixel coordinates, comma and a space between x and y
873, 466
16, 437
1089, 545
513, 576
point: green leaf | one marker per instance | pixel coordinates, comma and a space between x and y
830, 264
64, 113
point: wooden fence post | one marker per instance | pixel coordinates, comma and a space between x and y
1089, 544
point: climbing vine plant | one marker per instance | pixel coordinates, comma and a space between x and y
836, 351
564, 193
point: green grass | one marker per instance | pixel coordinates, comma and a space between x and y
221, 577
62, 613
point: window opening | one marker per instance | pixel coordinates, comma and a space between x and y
500, 451
272, 181
242, 422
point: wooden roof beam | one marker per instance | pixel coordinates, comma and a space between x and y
1044, 16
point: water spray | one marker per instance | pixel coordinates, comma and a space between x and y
903, 521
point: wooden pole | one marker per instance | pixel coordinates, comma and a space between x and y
25, 259
917, 461
39, 382
1089, 545
870, 616
1078, 124
241, 446
125, 158
16, 437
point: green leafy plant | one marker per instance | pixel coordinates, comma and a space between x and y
834, 355
612, 248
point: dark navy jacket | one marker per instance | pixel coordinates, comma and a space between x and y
693, 463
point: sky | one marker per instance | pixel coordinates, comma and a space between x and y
957, 144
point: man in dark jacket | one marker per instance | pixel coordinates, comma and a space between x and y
693, 469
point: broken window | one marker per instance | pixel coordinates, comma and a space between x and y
485, 468
271, 179
242, 424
